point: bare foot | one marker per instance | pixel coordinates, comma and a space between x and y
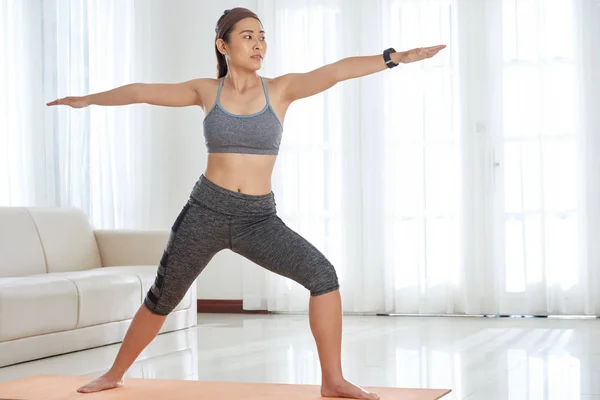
103, 382
347, 390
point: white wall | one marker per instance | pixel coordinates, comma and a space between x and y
183, 32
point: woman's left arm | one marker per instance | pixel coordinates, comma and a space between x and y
299, 85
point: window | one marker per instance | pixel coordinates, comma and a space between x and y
313, 131
420, 173
539, 143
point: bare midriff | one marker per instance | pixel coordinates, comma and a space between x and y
242, 173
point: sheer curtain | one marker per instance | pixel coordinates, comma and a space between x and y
98, 159
21, 112
464, 184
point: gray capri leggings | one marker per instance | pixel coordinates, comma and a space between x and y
215, 218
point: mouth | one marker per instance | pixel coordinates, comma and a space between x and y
257, 57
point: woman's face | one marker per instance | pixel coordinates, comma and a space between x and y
247, 44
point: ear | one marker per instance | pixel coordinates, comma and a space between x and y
221, 46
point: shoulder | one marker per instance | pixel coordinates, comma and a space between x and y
276, 82
204, 88
277, 86
201, 84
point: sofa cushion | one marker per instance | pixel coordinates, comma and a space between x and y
146, 275
105, 296
36, 305
21, 252
67, 238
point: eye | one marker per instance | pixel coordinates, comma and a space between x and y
263, 38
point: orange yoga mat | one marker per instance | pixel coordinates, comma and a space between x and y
55, 387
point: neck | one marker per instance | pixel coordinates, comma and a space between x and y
241, 81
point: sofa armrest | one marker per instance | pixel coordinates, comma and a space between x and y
121, 247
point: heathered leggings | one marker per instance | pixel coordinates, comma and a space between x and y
215, 218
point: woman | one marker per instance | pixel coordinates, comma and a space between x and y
232, 205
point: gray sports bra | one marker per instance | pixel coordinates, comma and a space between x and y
258, 133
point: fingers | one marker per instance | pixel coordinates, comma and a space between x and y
63, 101
434, 48
56, 102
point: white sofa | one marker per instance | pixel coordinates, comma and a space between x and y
65, 286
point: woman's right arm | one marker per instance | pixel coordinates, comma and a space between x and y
160, 94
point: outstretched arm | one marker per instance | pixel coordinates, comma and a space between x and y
299, 85
160, 94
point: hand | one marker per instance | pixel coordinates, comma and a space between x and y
420, 53
72, 101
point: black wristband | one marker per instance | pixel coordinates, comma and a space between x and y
387, 59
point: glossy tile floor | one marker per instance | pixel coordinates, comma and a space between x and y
478, 358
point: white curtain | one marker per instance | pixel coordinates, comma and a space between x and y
464, 184
98, 159
21, 112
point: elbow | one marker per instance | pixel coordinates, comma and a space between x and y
338, 71
137, 93
346, 69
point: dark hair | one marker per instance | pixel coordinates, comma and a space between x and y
225, 25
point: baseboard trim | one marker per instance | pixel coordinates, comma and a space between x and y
225, 307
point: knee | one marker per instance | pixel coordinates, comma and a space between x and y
152, 303
163, 297
323, 281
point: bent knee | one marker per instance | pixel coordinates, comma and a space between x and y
157, 307
321, 292
323, 281
166, 301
